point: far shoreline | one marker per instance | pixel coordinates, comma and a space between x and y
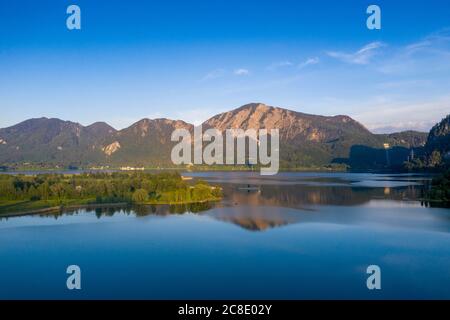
35, 171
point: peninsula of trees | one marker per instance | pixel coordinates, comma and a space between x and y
36, 192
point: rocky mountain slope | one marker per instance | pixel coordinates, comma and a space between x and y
439, 137
312, 140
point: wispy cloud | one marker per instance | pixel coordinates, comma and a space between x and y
219, 73
362, 56
435, 41
309, 62
241, 72
428, 55
422, 126
214, 74
388, 115
280, 64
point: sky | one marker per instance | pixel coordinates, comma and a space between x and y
192, 59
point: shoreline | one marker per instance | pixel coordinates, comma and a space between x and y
188, 172
94, 206
60, 208
213, 169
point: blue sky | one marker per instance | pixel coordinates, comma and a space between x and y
192, 59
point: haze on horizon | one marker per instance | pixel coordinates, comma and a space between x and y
192, 60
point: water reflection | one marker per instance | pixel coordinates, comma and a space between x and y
256, 203
302, 197
131, 210
257, 218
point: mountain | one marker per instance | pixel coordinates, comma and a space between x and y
407, 139
57, 142
437, 148
435, 154
305, 140
49, 141
312, 140
147, 142
439, 137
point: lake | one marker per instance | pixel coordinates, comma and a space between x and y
289, 236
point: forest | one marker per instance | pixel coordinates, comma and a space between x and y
43, 190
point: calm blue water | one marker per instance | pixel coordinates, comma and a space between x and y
293, 236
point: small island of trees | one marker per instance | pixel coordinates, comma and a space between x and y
26, 193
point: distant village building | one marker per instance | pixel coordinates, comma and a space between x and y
386, 147
132, 169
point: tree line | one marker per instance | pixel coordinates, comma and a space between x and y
139, 187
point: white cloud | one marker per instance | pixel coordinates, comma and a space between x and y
214, 74
436, 41
241, 72
426, 56
362, 56
387, 115
422, 126
219, 73
308, 62
281, 64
